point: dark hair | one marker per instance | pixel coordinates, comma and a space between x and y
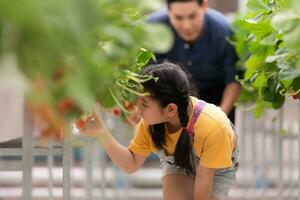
173, 1
172, 86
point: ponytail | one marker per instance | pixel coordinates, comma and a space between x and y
183, 155
172, 86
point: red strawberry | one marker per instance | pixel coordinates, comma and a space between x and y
79, 123
116, 111
294, 95
66, 106
58, 134
129, 105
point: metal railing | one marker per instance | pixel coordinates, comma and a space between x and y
269, 159
269, 163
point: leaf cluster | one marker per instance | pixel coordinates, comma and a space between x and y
267, 40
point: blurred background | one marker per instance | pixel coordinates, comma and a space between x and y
76, 167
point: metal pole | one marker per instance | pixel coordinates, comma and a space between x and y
66, 166
27, 158
50, 168
102, 163
88, 169
298, 150
264, 157
279, 156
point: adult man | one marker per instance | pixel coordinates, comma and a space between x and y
201, 48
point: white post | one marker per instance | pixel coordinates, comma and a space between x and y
242, 5
66, 167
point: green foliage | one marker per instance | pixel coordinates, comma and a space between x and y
77, 49
267, 39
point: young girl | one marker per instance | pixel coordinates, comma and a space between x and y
194, 140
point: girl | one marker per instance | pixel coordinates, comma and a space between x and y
194, 140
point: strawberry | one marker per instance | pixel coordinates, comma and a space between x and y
58, 134
129, 105
80, 123
58, 74
116, 111
66, 105
294, 95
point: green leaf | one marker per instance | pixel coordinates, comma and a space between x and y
119, 34
296, 84
133, 13
159, 38
112, 49
256, 48
256, 19
107, 100
255, 63
274, 58
288, 22
269, 39
150, 6
144, 57
80, 93
257, 5
268, 91
289, 74
285, 21
292, 38
259, 81
279, 101
259, 108
261, 29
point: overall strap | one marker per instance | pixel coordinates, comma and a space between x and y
197, 111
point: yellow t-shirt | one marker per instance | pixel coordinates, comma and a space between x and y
213, 140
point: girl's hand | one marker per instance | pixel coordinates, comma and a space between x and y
93, 126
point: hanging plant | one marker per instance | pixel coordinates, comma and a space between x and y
267, 39
74, 53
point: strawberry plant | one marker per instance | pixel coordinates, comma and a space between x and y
74, 53
267, 40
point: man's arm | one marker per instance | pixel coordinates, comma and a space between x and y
231, 94
204, 183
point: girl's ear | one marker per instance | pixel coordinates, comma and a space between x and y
171, 109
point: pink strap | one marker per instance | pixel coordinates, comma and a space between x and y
197, 111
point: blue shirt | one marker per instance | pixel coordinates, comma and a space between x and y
210, 59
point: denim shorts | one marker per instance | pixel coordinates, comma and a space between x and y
224, 178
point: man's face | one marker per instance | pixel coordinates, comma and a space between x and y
187, 19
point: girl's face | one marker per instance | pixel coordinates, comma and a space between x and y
151, 111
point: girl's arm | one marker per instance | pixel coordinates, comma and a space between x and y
120, 155
204, 183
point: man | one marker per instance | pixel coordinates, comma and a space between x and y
202, 49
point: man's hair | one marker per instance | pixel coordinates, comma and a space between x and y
169, 2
